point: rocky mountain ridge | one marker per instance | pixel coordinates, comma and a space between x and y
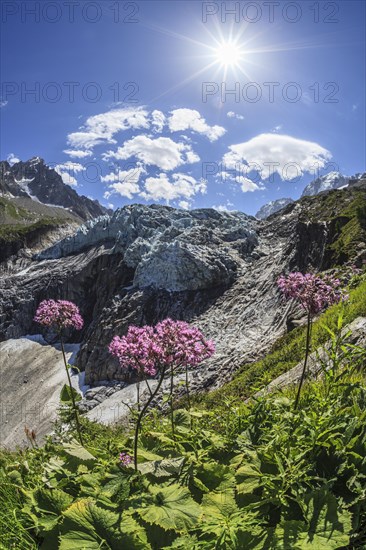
217, 270
35, 180
272, 207
327, 182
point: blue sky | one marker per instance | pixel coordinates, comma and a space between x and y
132, 100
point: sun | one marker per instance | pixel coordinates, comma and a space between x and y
228, 54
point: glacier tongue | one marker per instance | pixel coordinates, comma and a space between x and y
170, 249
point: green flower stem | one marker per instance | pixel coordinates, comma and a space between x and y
138, 394
188, 398
307, 350
141, 415
187, 389
72, 394
171, 400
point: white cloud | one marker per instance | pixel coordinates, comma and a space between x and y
247, 184
70, 166
3, 103
68, 179
179, 186
67, 171
184, 205
125, 189
277, 128
184, 119
162, 152
103, 127
125, 182
158, 120
224, 207
77, 153
12, 159
270, 153
231, 114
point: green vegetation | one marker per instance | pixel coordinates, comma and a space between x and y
249, 476
346, 218
11, 213
272, 478
10, 233
233, 475
21, 223
287, 352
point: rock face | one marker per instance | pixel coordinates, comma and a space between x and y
272, 207
333, 180
36, 180
169, 249
217, 270
29, 393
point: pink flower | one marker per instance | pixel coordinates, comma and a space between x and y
182, 344
59, 314
136, 350
169, 343
125, 459
313, 292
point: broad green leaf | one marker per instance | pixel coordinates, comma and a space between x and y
52, 500
327, 522
170, 508
327, 526
248, 477
148, 455
87, 526
76, 450
184, 542
45, 506
66, 394
117, 486
216, 476
135, 534
219, 505
163, 468
182, 420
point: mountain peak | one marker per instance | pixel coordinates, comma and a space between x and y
272, 207
35, 180
332, 180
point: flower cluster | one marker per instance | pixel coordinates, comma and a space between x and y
137, 350
182, 344
313, 292
169, 343
125, 459
59, 314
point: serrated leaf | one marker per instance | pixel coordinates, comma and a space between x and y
248, 479
148, 455
119, 486
182, 419
76, 450
52, 500
219, 505
170, 508
163, 468
86, 525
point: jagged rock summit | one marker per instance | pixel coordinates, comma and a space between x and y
35, 180
333, 180
272, 207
